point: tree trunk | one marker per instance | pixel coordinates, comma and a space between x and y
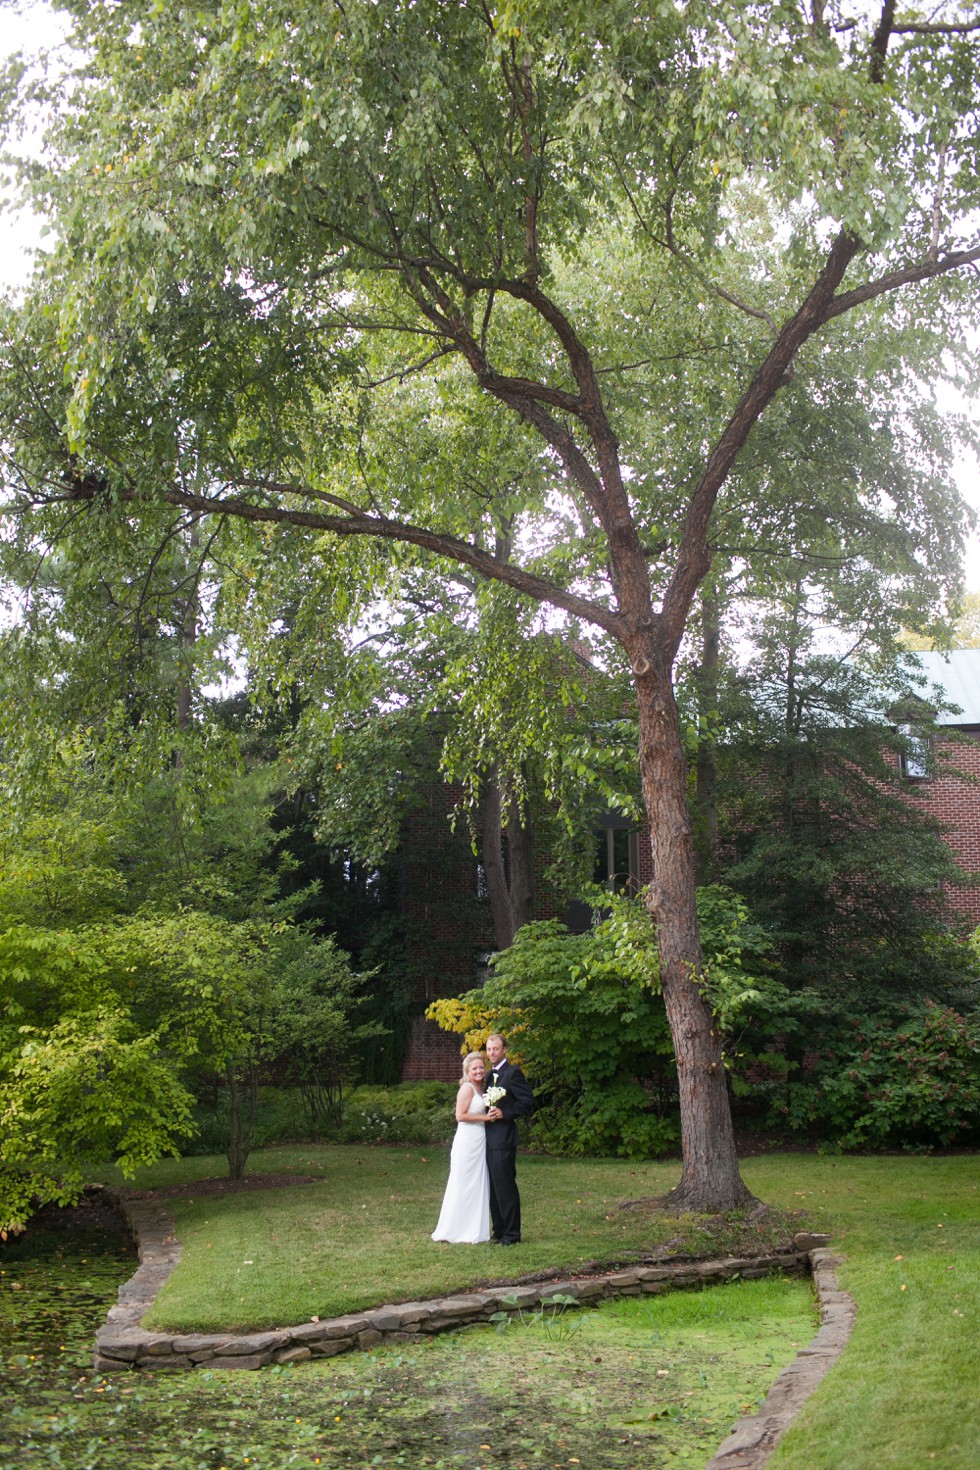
243, 1099
710, 1180
511, 894
188, 640
492, 851
706, 775
520, 842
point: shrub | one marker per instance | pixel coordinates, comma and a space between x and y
884, 1084
411, 1112
584, 1014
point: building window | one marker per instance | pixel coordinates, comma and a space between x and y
617, 859
915, 758
616, 867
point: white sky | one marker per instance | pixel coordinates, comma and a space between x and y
19, 234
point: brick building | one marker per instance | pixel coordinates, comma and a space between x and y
949, 784
448, 917
447, 914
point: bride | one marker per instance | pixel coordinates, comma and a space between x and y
465, 1215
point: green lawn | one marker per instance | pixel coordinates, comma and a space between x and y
907, 1391
904, 1394
359, 1235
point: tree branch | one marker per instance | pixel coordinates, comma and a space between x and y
926, 270
937, 28
694, 557
669, 244
454, 548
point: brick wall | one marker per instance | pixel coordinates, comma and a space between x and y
448, 928
431, 1054
952, 797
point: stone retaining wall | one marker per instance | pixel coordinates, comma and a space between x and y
123, 1344
753, 1440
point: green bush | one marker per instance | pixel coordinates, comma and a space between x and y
585, 1015
615, 1120
410, 1112
882, 1084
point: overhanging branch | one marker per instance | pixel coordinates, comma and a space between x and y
926, 270
454, 548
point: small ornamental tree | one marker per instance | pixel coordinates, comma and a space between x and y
585, 1014
110, 1008
89, 1089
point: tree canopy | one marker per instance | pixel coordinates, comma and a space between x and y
539, 294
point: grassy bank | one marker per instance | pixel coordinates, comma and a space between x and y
359, 1234
903, 1395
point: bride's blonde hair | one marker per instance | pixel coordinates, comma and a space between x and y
468, 1061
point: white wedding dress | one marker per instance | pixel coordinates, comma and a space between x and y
465, 1215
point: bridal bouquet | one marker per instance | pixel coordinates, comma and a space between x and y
493, 1095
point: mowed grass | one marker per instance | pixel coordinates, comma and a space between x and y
905, 1394
359, 1235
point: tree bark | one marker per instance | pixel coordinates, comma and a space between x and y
511, 896
710, 1178
706, 776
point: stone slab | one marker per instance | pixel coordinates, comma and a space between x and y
241, 1362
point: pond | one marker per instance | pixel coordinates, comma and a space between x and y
652, 1382
56, 1283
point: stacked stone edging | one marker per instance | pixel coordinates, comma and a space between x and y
123, 1344
753, 1439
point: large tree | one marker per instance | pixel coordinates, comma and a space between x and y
508, 286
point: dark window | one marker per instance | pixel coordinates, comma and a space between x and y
617, 859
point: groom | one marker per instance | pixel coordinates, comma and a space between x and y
501, 1131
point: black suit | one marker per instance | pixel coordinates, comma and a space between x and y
505, 1201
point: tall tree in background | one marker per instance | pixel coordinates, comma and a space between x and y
818, 829
508, 286
799, 641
